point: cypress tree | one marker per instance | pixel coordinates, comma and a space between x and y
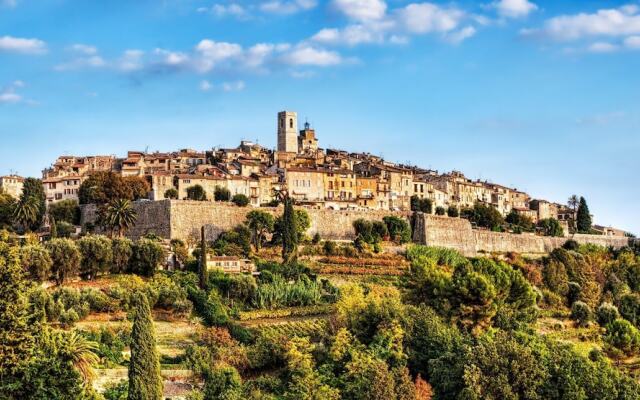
583, 218
289, 232
202, 270
53, 233
145, 382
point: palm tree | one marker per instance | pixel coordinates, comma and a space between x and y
119, 216
25, 212
573, 202
81, 352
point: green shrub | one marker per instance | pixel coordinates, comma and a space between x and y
398, 228
606, 314
146, 256
581, 313
240, 200
623, 336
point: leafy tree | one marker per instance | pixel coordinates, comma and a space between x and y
122, 250
64, 229
36, 261
260, 223
550, 227
171, 193
303, 380
289, 232
221, 194
7, 205
440, 210
521, 223
398, 228
236, 242
103, 187
53, 230
97, 254
146, 255
196, 193
145, 382
203, 278
485, 216
422, 205
119, 216
573, 202
453, 212
240, 200
581, 313
65, 210
65, 256
583, 217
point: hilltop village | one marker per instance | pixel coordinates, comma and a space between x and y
314, 177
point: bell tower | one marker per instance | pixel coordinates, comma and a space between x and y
288, 131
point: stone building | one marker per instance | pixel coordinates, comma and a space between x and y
340, 189
307, 141
62, 188
306, 185
12, 185
288, 132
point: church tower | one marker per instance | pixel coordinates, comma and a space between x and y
288, 131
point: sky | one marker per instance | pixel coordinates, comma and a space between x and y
543, 96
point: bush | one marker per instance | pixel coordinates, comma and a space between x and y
606, 314
581, 313
623, 336
197, 193
550, 227
440, 210
571, 245
122, 249
65, 229
240, 200
171, 193
97, 255
65, 257
35, 259
453, 212
398, 228
316, 238
221, 194
146, 255
329, 247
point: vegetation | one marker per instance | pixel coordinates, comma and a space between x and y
197, 193
171, 193
399, 229
550, 227
422, 205
289, 232
103, 187
260, 223
240, 200
118, 217
484, 216
145, 382
65, 211
583, 217
221, 194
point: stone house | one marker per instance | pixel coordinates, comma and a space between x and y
231, 265
62, 188
305, 185
12, 185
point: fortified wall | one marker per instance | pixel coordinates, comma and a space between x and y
457, 233
182, 219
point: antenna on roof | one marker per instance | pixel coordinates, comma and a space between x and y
146, 149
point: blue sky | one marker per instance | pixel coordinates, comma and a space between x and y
540, 95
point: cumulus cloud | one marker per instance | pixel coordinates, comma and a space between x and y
361, 10
83, 49
21, 45
399, 24
9, 95
632, 42
514, 8
287, 7
311, 56
222, 10
614, 22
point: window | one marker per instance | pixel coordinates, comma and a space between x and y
291, 123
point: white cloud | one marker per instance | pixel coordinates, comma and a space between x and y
8, 94
312, 56
632, 42
205, 85
361, 10
233, 86
287, 7
602, 47
622, 21
131, 60
221, 10
22, 45
461, 35
211, 53
83, 49
514, 8
421, 18
352, 35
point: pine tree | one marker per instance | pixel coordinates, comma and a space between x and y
202, 267
145, 382
583, 218
289, 232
